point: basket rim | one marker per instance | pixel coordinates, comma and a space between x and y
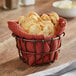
32, 40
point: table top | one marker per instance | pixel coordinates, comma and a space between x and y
10, 64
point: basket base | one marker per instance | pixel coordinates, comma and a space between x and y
23, 60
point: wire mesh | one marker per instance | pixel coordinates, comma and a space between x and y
42, 53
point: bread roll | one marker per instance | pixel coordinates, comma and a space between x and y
54, 17
45, 17
36, 25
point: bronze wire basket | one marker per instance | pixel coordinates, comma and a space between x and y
34, 41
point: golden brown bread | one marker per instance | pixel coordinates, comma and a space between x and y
36, 25
54, 17
45, 17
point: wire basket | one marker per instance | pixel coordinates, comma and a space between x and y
37, 57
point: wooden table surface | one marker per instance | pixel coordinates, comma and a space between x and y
10, 64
